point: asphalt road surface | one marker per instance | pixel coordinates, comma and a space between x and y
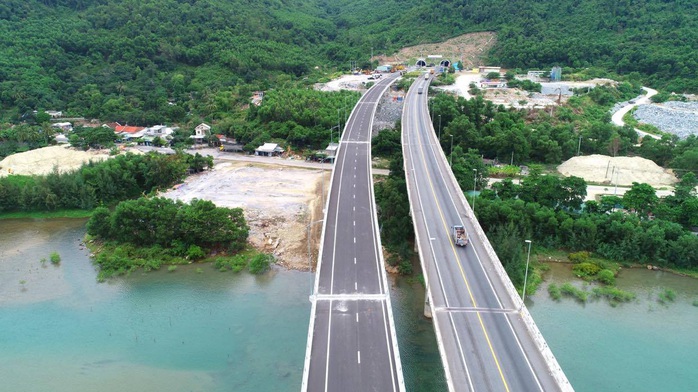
483, 342
352, 336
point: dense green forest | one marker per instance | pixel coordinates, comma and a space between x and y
98, 183
149, 62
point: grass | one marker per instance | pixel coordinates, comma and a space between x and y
629, 119
668, 295
569, 290
613, 294
554, 292
46, 214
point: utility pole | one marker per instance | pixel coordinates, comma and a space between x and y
450, 157
474, 186
528, 258
440, 128
579, 146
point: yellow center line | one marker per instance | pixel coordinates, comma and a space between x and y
460, 266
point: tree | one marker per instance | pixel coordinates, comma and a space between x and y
640, 197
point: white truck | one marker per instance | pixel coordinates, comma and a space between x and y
460, 237
426, 76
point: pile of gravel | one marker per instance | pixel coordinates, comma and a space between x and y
388, 112
678, 118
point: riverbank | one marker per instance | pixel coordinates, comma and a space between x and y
71, 214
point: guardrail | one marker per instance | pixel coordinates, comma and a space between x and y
554, 367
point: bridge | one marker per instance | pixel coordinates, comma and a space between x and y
487, 339
351, 338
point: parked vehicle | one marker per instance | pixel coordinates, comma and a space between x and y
460, 237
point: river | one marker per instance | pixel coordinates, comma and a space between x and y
197, 329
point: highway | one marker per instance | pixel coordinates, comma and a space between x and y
351, 337
481, 327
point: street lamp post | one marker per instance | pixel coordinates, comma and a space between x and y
579, 145
474, 185
439, 128
528, 259
451, 155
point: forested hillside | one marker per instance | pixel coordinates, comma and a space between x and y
151, 61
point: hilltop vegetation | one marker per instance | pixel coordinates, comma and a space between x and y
148, 62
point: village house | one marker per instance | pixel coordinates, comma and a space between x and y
269, 150
158, 131
200, 133
126, 133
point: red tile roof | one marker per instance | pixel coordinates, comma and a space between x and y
127, 129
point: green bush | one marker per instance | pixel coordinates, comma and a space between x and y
260, 263
607, 277
586, 269
578, 257
172, 268
55, 258
236, 263
195, 253
554, 292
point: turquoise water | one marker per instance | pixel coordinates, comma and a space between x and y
174, 331
639, 346
60, 330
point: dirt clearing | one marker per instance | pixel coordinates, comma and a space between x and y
470, 48
278, 203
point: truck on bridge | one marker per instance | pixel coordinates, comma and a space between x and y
460, 237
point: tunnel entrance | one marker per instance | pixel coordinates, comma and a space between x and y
421, 63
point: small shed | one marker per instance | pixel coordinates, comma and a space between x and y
269, 150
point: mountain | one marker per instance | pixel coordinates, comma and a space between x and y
151, 61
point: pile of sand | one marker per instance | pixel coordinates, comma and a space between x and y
621, 170
43, 160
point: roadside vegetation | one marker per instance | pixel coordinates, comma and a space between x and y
397, 233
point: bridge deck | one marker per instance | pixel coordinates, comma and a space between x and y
351, 338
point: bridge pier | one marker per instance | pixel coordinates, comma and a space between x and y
427, 305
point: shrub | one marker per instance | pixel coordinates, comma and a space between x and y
554, 292
579, 257
172, 268
586, 269
260, 263
405, 267
195, 252
607, 277
55, 258
695, 303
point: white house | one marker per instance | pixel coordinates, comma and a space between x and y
200, 132
269, 150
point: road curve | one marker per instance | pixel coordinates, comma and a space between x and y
617, 117
351, 337
486, 339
